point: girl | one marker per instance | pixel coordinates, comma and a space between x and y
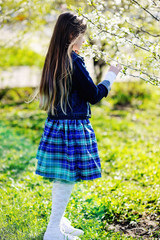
67, 152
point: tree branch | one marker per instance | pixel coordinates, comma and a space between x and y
143, 79
141, 29
116, 35
153, 78
157, 19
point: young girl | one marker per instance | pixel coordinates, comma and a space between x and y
67, 152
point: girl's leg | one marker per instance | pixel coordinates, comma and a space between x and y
61, 192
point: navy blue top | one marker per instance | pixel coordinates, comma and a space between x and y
83, 92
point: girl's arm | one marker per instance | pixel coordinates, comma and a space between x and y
87, 88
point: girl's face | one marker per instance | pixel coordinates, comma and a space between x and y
77, 45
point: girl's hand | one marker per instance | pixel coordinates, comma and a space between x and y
116, 69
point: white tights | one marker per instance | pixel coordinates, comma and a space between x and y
61, 192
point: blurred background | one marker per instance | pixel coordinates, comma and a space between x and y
124, 204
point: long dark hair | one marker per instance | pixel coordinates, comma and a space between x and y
56, 79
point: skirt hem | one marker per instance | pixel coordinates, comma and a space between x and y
63, 178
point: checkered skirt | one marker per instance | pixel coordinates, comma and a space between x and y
68, 151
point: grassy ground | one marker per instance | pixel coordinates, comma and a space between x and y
123, 204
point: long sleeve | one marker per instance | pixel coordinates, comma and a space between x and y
87, 88
109, 79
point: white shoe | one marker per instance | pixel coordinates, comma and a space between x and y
49, 235
67, 228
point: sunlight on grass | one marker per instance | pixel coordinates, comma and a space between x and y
128, 142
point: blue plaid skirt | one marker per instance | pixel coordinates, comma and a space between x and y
68, 151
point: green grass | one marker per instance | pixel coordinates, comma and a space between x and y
128, 139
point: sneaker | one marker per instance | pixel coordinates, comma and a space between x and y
67, 228
49, 235
71, 237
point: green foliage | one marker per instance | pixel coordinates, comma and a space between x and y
133, 93
128, 142
13, 96
14, 56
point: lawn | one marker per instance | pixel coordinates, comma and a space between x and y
123, 204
